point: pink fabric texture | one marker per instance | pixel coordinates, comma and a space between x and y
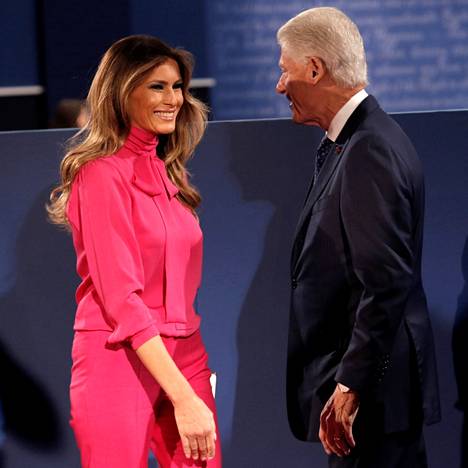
119, 412
139, 250
139, 256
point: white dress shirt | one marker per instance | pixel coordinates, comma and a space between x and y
342, 116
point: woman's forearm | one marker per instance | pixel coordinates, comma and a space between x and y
155, 357
194, 419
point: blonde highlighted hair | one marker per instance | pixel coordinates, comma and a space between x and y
123, 67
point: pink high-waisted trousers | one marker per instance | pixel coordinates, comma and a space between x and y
119, 412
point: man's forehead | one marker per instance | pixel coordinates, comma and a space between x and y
284, 58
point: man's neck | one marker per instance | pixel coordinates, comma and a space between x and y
341, 117
336, 98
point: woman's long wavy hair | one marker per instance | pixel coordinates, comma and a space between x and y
123, 67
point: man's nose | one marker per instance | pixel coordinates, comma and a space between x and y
280, 89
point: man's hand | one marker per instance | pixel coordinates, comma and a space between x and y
336, 422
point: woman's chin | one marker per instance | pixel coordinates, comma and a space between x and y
164, 128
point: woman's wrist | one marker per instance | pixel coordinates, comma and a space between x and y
161, 366
181, 393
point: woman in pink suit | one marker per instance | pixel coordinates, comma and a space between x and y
140, 378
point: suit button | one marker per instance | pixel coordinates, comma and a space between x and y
294, 283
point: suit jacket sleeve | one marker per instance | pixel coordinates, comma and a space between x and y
377, 220
113, 253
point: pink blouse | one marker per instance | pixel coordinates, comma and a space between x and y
139, 250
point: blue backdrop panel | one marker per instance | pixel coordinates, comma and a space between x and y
36, 306
73, 48
178, 22
416, 51
253, 176
18, 37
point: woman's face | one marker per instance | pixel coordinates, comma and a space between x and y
155, 103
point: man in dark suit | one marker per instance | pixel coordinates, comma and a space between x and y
361, 366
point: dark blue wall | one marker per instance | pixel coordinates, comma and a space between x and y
18, 39
59, 44
416, 50
76, 34
180, 23
253, 176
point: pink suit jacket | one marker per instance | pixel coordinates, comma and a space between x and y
139, 250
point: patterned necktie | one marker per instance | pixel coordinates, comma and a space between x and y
322, 153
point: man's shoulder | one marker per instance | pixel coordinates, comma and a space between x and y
383, 130
381, 143
368, 120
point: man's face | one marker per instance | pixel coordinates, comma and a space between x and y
297, 85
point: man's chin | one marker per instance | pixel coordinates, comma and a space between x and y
296, 118
300, 120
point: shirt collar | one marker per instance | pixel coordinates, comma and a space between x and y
342, 116
151, 176
141, 141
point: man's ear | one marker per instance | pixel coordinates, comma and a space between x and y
316, 69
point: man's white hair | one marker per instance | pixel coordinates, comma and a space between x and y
329, 34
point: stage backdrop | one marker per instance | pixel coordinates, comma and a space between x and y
253, 176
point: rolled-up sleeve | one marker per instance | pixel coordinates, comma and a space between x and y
113, 253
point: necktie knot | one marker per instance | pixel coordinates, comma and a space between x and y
322, 153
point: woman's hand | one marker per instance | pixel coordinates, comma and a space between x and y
194, 419
196, 428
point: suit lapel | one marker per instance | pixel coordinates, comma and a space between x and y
327, 171
337, 152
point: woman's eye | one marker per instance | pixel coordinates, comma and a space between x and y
157, 87
178, 86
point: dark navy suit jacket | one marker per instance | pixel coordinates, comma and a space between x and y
358, 309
